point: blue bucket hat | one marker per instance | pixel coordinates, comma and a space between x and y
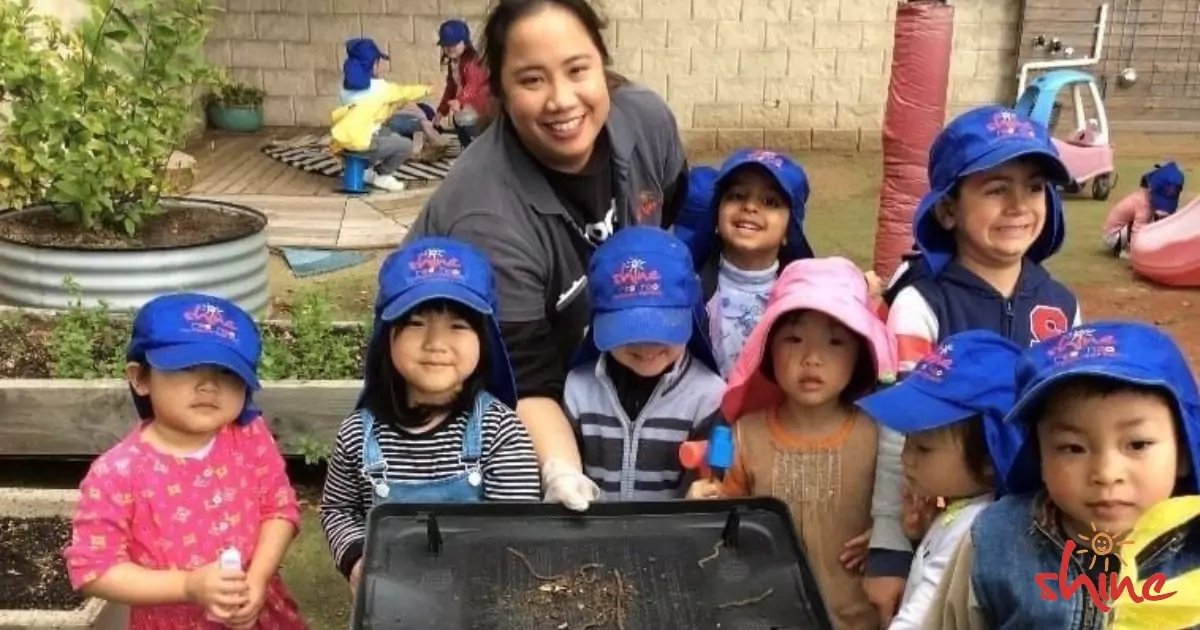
359, 67
184, 330
969, 374
979, 140
436, 268
696, 224
453, 32
1130, 352
644, 289
1165, 183
791, 180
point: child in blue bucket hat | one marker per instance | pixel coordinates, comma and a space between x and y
743, 224
646, 347
992, 216
1113, 417
435, 421
1156, 198
197, 481
951, 409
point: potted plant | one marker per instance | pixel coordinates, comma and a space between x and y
92, 117
63, 391
235, 107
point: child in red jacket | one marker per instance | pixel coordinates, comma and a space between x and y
467, 98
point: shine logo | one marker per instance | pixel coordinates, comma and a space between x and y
1102, 548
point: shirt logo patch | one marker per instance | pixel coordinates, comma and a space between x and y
1046, 322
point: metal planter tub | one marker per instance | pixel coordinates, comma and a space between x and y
236, 269
94, 614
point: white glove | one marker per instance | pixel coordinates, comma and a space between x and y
568, 485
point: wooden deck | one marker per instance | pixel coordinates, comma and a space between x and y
234, 164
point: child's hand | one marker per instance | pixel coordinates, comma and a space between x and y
245, 617
884, 592
854, 552
220, 592
874, 286
917, 514
704, 489
356, 575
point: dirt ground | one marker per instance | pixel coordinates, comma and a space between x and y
35, 576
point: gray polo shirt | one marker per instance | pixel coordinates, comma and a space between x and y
496, 198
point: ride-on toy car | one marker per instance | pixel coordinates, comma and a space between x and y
1087, 151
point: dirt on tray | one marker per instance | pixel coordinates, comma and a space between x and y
33, 574
177, 226
592, 597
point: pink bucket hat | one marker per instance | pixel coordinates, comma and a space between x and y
834, 286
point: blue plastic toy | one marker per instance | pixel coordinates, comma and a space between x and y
354, 174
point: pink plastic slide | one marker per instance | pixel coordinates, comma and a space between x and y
1168, 251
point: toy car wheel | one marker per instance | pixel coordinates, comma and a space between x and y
1072, 188
1102, 186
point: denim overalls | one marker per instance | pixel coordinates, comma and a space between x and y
465, 487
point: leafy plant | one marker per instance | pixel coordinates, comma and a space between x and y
315, 348
235, 95
95, 111
86, 342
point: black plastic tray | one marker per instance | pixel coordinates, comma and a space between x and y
452, 567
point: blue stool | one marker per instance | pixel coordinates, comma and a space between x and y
354, 171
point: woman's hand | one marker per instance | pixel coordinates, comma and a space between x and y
220, 592
704, 489
568, 485
854, 552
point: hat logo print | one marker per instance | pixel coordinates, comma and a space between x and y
210, 319
936, 364
1007, 124
769, 158
433, 263
1082, 343
635, 279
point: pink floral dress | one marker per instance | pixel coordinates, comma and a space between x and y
164, 512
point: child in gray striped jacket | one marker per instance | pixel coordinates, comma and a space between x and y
645, 380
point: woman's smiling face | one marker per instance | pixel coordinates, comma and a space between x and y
555, 88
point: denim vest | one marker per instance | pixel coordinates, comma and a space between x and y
465, 487
1013, 543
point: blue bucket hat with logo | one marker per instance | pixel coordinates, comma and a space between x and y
644, 289
436, 268
1131, 352
1165, 183
179, 331
453, 32
969, 374
979, 140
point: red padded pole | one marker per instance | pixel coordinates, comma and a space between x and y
916, 111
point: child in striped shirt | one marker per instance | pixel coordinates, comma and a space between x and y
646, 380
435, 421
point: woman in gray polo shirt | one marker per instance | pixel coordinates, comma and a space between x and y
576, 153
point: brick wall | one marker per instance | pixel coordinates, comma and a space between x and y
792, 74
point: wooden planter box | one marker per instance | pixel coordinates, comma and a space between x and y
94, 614
85, 417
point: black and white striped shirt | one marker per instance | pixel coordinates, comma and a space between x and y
509, 466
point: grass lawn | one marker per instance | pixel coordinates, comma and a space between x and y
841, 221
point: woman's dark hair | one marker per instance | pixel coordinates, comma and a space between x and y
862, 381
506, 13
387, 397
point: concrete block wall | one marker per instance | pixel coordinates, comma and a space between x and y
789, 74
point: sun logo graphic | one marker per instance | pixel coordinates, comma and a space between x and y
1103, 547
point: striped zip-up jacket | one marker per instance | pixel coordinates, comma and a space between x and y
637, 459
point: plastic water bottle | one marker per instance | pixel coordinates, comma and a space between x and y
231, 560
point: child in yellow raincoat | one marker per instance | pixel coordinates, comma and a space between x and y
367, 103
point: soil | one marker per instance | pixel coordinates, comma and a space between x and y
175, 227
31, 563
1176, 312
593, 597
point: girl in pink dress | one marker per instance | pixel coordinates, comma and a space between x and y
196, 489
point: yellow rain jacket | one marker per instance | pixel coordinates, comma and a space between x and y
354, 125
1181, 610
